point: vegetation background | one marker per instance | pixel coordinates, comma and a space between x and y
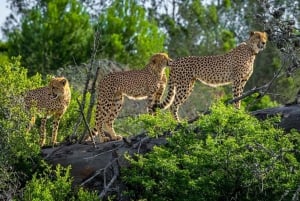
84, 40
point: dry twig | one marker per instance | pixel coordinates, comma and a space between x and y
86, 124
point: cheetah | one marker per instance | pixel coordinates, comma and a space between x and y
234, 67
148, 83
52, 100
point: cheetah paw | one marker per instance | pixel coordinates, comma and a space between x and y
116, 138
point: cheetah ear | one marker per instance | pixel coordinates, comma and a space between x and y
252, 33
153, 60
51, 81
265, 35
63, 81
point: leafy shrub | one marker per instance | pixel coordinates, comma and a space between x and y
154, 125
14, 119
12, 112
227, 155
48, 188
55, 185
70, 118
253, 102
19, 151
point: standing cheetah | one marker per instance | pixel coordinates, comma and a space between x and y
234, 67
148, 83
49, 100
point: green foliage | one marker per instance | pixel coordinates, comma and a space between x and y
223, 156
198, 29
13, 117
154, 125
228, 40
54, 185
51, 185
52, 34
83, 195
3, 52
127, 36
19, 150
288, 87
70, 118
255, 102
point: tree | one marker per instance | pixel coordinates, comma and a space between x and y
193, 27
52, 34
127, 36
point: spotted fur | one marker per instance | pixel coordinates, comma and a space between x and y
51, 100
148, 83
234, 67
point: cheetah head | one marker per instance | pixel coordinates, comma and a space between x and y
58, 86
160, 60
257, 41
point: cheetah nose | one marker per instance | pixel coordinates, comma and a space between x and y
169, 62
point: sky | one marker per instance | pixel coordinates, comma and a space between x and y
4, 12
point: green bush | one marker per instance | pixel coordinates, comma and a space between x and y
19, 150
55, 185
255, 102
12, 112
13, 118
69, 119
154, 125
227, 155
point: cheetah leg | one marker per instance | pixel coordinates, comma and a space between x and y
150, 104
43, 131
174, 111
100, 115
31, 123
183, 92
159, 93
114, 112
55, 125
237, 89
152, 99
169, 99
157, 97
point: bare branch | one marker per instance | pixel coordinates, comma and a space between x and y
296, 194
116, 173
86, 124
262, 90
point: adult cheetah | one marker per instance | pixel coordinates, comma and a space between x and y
148, 83
234, 67
51, 100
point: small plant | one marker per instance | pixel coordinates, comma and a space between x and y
54, 185
254, 102
154, 125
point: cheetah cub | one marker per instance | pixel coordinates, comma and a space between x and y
148, 83
234, 67
51, 100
